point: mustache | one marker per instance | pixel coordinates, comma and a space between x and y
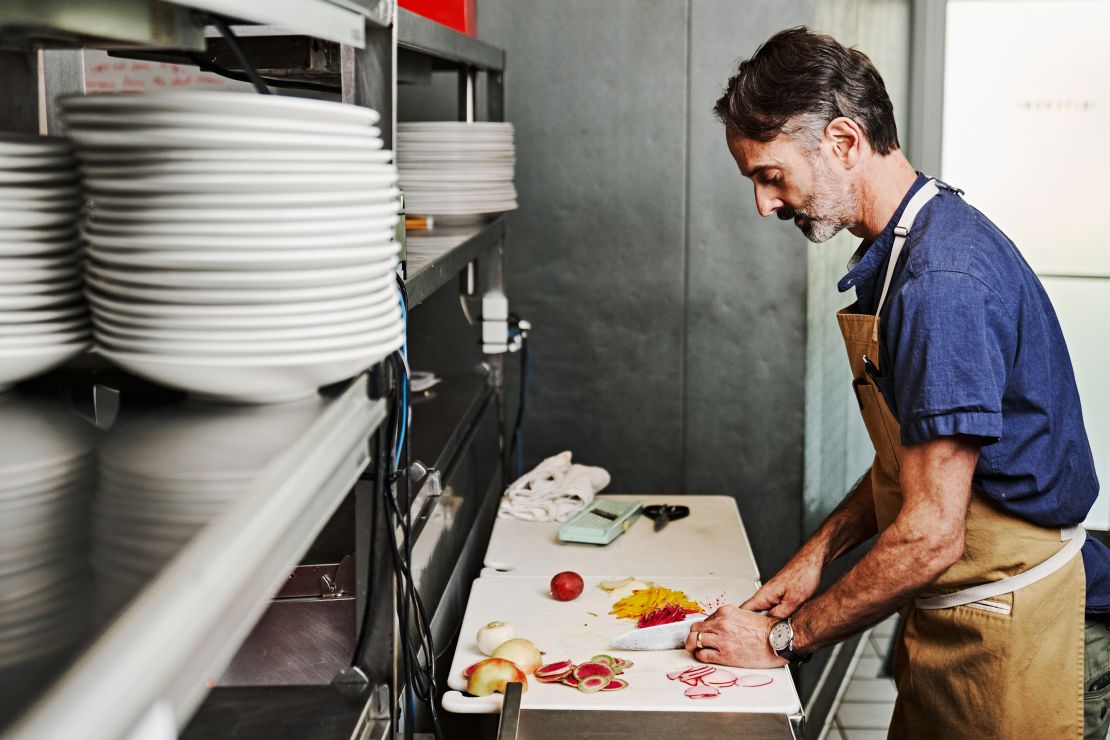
786, 213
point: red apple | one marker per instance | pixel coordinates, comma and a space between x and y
566, 586
492, 675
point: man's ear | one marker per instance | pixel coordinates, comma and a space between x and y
846, 139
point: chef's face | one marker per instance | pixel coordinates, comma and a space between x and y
795, 180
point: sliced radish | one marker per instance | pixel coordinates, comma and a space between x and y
702, 692
607, 659
673, 675
616, 684
753, 680
720, 677
590, 684
690, 681
556, 678
470, 669
593, 669
624, 664
698, 672
560, 668
570, 680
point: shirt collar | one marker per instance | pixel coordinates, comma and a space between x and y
865, 263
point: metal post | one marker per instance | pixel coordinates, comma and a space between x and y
63, 72
468, 94
495, 95
19, 89
368, 77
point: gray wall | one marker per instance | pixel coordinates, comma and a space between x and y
670, 319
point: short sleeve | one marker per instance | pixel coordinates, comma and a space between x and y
949, 347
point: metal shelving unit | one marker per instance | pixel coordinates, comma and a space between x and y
162, 658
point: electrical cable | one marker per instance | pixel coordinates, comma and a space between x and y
237, 50
209, 66
516, 437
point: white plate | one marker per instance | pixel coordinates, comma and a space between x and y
216, 259
486, 209
17, 365
70, 282
203, 157
93, 171
387, 302
455, 125
267, 214
38, 301
38, 250
223, 333
216, 347
357, 236
35, 162
28, 341
223, 229
243, 183
246, 279
23, 268
260, 296
43, 327
184, 138
228, 103
246, 200
51, 180
291, 312
33, 144
31, 316
212, 121
11, 218
37, 193
261, 379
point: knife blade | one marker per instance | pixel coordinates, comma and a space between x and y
660, 637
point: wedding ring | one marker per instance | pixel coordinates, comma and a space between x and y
698, 642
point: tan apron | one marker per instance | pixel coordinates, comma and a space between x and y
995, 648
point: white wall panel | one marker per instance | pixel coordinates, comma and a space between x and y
1083, 307
1026, 116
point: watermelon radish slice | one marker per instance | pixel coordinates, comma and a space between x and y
608, 659
591, 684
702, 692
602, 670
557, 678
720, 677
559, 669
570, 680
616, 684
754, 680
624, 664
470, 669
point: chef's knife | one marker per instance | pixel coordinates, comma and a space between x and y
660, 637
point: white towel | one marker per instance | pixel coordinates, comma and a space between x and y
553, 491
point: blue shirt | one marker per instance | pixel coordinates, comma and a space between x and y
970, 344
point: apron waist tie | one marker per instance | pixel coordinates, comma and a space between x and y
1075, 536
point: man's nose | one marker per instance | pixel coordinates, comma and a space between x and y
765, 203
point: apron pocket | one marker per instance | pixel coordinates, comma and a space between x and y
873, 407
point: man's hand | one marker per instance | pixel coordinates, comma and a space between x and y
790, 588
736, 637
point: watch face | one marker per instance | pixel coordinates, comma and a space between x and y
780, 636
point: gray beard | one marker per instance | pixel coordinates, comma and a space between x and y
826, 211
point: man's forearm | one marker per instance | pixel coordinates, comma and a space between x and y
851, 523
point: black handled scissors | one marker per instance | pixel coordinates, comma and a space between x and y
663, 514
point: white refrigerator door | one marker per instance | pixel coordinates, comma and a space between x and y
1026, 116
1083, 307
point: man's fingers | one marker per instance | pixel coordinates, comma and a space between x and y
761, 600
709, 655
783, 610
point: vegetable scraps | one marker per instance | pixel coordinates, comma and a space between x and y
706, 682
645, 600
599, 673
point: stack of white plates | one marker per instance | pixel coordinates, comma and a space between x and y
242, 246
46, 482
43, 321
167, 474
450, 168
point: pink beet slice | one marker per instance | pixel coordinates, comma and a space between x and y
616, 684
702, 692
753, 680
554, 669
590, 684
593, 669
720, 677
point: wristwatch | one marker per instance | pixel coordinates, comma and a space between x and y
781, 638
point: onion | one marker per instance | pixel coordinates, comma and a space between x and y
493, 634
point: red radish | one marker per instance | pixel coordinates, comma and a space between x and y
616, 684
754, 680
470, 669
720, 677
590, 684
673, 675
566, 586
593, 669
702, 692
699, 672
690, 681
554, 668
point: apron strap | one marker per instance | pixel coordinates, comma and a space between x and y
1075, 536
901, 231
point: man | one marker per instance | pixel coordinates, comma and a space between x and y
982, 465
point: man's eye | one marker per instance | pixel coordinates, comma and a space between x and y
768, 180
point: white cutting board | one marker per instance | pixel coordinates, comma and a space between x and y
567, 630
709, 542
